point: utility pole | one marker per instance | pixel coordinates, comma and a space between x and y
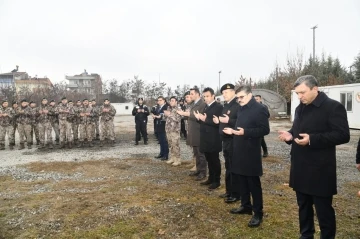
313, 28
219, 80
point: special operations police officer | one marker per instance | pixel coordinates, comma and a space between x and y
141, 113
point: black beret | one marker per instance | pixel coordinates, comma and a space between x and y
14, 102
44, 98
64, 98
32, 102
227, 86
4, 101
24, 100
141, 99
70, 101
78, 101
187, 93
85, 99
106, 100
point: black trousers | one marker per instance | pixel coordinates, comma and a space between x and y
263, 145
183, 130
164, 146
214, 166
249, 186
325, 214
227, 152
140, 127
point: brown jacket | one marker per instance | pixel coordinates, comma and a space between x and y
193, 137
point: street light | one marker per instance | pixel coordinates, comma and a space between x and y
219, 79
313, 28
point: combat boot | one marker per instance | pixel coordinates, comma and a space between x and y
145, 142
80, 144
70, 145
50, 146
57, 141
11, 146
136, 142
37, 142
91, 144
101, 143
170, 161
22, 146
177, 162
2, 146
112, 144
29, 146
62, 145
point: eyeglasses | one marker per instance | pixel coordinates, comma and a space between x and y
242, 97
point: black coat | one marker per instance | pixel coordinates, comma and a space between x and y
313, 167
358, 153
160, 123
140, 116
209, 131
247, 159
231, 110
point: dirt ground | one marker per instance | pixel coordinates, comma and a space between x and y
123, 192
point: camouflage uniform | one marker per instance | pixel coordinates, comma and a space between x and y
86, 126
172, 128
6, 126
96, 117
34, 125
107, 123
65, 113
44, 125
24, 121
54, 121
14, 124
75, 123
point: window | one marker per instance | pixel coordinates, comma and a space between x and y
126, 107
346, 100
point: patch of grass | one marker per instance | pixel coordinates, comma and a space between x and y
141, 198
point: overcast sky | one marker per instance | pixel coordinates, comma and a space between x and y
185, 41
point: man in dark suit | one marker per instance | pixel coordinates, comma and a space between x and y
252, 124
319, 125
210, 143
193, 138
228, 119
263, 143
160, 129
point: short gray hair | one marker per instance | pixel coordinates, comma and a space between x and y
309, 80
245, 88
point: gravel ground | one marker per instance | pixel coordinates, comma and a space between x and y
9, 160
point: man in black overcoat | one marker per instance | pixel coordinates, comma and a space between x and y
210, 143
228, 119
319, 125
160, 128
252, 124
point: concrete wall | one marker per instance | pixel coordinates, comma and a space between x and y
123, 108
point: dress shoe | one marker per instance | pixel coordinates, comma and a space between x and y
136, 143
145, 143
265, 154
165, 158
231, 199
207, 182
214, 186
241, 210
225, 195
194, 173
200, 177
255, 221
158, 157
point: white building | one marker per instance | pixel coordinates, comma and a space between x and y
348, 95
123, 108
